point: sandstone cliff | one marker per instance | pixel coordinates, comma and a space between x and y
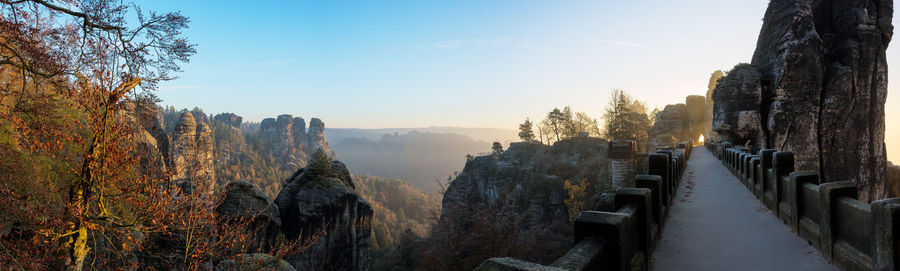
736, 110
287, 140
244, 203
822, 86
671, 120
714, 78
530, 177
323, 206
192, 153
685, 121
151, 138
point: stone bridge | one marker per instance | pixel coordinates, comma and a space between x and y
724, 207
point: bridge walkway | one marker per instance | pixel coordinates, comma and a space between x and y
717, 224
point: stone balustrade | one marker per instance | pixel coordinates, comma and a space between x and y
853, 234
626, 238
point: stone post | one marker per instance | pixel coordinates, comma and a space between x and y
622, 154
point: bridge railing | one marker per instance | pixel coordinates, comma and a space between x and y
626, 238
855, 235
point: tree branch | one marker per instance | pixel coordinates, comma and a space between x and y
87, 20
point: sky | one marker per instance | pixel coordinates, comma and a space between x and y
490, 64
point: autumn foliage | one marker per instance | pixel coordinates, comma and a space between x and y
77, 189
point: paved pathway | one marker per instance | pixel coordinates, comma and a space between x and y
717, 224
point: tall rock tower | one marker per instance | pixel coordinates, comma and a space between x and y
288, 141
822, 86
192, 153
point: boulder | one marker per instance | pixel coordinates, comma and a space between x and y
244, 203
324, 210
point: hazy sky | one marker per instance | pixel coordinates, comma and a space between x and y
380, 64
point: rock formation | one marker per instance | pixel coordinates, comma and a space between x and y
321, 205
736, 110
289, 142
315, 139
529, 176
244, 203
823, 81
673, 121
151, 138
229, 119
682, 121
192, 153
231, 148
299, 132
708, 133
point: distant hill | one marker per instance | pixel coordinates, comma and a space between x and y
481, 134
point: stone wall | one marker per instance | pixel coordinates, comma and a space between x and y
853, 234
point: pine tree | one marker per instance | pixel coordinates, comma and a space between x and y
319, 163
626, 118
526, 132
497, 148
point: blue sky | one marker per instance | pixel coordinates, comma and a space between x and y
381, 64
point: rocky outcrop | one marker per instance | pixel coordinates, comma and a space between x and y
684, 122
708, 133
315, 139
231, 148
528, 176
672, 120
299, 132
736, 110
320, 207
288, 141
151, 139
823, 81
192, 153
246, 204
229, 119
